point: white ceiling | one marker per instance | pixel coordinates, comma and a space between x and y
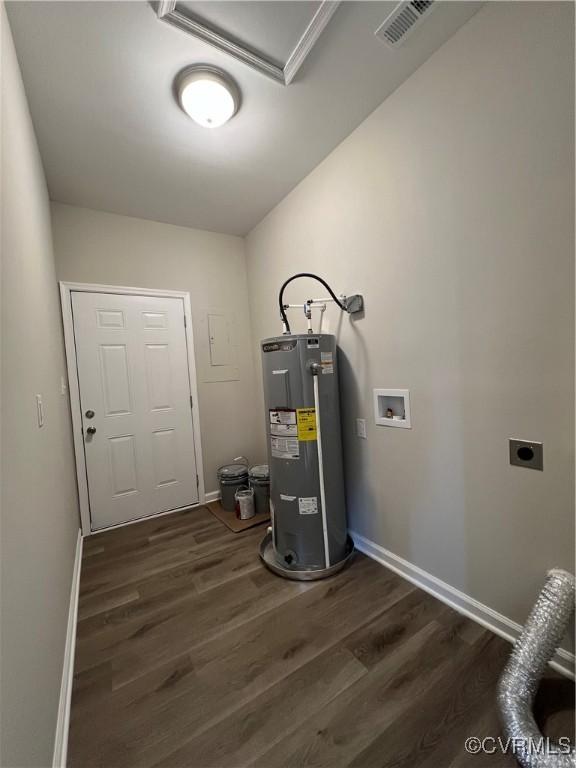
99, 78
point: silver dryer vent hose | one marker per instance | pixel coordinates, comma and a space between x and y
519, 682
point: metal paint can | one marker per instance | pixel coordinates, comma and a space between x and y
244, 498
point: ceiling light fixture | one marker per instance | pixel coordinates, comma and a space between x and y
208, 95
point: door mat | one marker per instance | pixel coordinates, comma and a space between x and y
232, 522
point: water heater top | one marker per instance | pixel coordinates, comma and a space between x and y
276, 342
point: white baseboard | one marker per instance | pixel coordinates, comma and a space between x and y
63, 721
211, 496
490, 619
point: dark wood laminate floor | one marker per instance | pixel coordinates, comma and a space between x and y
189, 653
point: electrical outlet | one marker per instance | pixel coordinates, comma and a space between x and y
526, 453
361, 428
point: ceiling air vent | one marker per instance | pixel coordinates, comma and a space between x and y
403, 20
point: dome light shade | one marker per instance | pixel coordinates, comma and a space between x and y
207, 95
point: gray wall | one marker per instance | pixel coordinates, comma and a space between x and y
451, 209
39, 522
96, 247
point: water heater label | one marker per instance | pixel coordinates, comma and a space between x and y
327, 362
283, 423
284, 346
307, 424
285, 447
308, 505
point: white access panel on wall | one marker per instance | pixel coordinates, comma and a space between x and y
220, 341
134, 387
217, 345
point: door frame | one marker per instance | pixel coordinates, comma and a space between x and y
66, 289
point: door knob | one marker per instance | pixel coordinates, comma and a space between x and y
89, 414
91, 431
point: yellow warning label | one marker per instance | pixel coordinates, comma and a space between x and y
306, 423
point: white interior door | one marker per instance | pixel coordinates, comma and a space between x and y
136, 409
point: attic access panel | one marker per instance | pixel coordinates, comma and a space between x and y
272, 38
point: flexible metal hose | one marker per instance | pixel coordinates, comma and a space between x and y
519, 682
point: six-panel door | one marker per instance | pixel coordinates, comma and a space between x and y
133, 375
